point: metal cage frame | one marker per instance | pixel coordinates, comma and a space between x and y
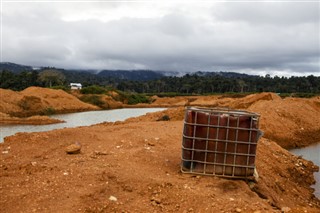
220, 142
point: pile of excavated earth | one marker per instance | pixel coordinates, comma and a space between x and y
25, 107
134, 165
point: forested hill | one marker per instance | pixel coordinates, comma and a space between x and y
152, 82
223, 74
15, 68
134, 75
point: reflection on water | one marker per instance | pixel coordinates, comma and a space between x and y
311, 153
78, 119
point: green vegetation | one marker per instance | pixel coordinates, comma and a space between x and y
93, 99
132, 98
213, 84
200, 83
137, 98
51, 77
10, 80
93, 90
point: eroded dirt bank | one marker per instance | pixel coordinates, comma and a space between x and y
32, 120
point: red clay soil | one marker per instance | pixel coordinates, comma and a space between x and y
39, 101
291, 122
134, 166
139, 165
32, 120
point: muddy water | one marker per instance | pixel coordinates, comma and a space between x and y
311, 153
78, 119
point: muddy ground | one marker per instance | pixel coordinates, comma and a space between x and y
134, 166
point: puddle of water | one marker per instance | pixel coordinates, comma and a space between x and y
311, 153
78, 119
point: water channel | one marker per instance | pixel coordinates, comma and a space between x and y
93, 117
78, 119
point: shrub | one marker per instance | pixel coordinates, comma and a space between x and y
164, 118
93, 90
132, 98
93, 99
137, 98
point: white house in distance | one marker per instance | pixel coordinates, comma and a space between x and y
75, 86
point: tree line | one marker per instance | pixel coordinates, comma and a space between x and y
195, 84
188, 84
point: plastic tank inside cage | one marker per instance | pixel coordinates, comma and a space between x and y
220, 142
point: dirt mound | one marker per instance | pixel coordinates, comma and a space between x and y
214, 100
247, 101
282, 176
57, 99
209, 101
33, 120
110, 103
37, 100
170, 101
291, 122
9, 101
135, 167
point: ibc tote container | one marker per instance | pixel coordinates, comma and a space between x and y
220, 142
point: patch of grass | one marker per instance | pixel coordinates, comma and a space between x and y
93, 99
137, 98
93, 90
132, 98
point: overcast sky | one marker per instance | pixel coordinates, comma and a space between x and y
273, 37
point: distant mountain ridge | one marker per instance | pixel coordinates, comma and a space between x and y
19, 77
15, 68
131, 75
223, 74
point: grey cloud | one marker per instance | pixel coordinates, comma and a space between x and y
238, 37
269, 12
177, 25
